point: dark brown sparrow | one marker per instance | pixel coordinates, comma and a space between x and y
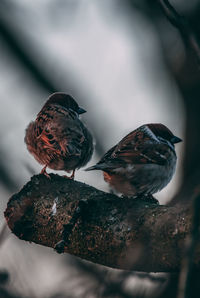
57, 138
142, 163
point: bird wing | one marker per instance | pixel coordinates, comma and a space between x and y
135, 149
151, 153
62, 136
138, 148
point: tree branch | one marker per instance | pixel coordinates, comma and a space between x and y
100, 227
187, 33
188, 271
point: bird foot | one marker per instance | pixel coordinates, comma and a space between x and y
149, 198
70, 177
60, 247
43, 172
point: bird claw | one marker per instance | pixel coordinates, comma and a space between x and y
70, 177
150, 198
43, 172
47, 175
60, 246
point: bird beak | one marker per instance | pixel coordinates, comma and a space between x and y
175, 140
81, 111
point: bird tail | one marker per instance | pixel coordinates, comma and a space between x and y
95, 167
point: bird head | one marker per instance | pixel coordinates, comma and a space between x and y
66, 101
163, 133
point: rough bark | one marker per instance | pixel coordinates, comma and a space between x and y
100, 227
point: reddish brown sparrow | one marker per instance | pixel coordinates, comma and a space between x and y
57, 138
142, 163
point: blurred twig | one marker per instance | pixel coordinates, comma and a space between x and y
4, 293
6, 179
4, 233
115, 284
169, 288
5, 176
110, 288
188, 35
13, 40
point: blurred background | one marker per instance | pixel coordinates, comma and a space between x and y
126, 65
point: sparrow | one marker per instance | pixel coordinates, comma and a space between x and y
57, 138
142, 163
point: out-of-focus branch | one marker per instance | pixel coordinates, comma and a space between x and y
115, 287
7, 33
188, 35
5, 292
5, 177
103, 228
188, 271
4, 232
